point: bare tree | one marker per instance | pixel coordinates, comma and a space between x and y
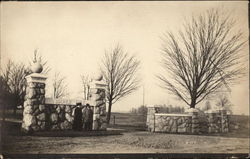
85, 82
59, 86
202, 58
119, 72
224, 102
14, 84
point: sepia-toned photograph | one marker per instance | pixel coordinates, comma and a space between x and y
145, 78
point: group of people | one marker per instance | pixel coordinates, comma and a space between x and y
83, 117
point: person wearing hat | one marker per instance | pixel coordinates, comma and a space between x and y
77, 124
88, 118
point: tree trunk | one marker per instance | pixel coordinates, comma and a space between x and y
193, 102
109, 111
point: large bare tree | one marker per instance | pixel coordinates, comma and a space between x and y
119, 71
204, 57
59, 86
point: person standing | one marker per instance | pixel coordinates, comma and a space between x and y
90, 111
85, 117
88, 118
77, 124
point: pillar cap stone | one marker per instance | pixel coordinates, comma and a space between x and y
36, 77
98, 84
192, 110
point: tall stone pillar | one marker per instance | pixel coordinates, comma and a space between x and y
97, 98
34, 104
151, 118
195, 121
224, 120
214, 123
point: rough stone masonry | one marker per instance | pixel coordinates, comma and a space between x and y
217, 121
57, 114
34, 115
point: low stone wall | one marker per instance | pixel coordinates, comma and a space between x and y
217, 122
60, 117
174, 123
60, 113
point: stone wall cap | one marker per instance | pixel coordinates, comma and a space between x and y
164, 114
192, 110
65, 101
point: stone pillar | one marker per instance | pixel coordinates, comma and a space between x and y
213, 121
34, 104
224, 120
195, 121
97, 98
151, 118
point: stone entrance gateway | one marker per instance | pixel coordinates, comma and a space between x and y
42, 113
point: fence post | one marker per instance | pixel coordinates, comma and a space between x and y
114, 120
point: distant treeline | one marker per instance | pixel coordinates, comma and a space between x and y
161, 109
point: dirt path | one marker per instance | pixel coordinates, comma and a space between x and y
130, 142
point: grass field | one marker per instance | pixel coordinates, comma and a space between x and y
128, 121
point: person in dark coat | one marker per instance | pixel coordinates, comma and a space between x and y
90, 114
85, 117
77, 124
88, 118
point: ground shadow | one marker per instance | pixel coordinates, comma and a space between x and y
14, 129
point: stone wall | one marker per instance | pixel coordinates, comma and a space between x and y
174, 123
58, 114
217, 121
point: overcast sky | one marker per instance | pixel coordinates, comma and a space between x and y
73, 36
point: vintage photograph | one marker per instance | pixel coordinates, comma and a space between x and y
124, 77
